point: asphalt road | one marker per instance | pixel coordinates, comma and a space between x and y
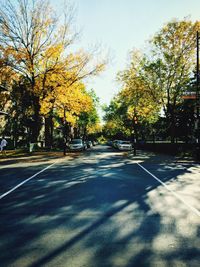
100, 208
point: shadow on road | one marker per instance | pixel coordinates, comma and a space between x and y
101, 210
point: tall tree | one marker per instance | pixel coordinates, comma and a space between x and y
28, 29
34, 43
136, 98
117, 122
89, 122
171, 65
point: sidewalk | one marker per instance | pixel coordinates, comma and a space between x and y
149, 156
13, 156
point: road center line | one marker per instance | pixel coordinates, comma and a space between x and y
25, 181
197, 212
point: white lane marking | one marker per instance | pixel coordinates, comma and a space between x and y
25, 181
197, 212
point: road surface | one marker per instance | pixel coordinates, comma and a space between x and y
100, 208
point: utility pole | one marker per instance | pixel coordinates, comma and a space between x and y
197, 102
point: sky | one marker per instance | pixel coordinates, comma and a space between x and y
121, 25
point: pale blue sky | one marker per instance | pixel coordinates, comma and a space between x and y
121, 25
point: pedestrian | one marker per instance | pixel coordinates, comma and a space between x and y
3, 145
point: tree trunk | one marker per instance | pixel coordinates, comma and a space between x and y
172, 128
134, 138
84, 133
36, 124
170, 115
66, 136
49, 132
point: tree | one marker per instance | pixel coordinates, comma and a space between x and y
171, 65
160, 78
34, 44
139, 105
68, 102
88, 123
28, 29
117, 123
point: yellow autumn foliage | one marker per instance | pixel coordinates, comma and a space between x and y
95, 128
68, 102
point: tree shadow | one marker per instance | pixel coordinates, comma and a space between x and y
99, 209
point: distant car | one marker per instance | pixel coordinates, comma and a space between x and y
116, 142
124, 145
89, 144
94, 143
109, 143
77, 145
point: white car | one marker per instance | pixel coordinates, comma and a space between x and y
77, 145
124, 145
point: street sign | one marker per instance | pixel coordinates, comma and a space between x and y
189, 95
3, 113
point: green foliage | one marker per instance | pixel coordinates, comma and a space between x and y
157, 81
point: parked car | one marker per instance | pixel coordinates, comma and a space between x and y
89, 144
109, 143
115, 143
124, 145
94, 143
77, 145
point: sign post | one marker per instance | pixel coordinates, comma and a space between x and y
189, 95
